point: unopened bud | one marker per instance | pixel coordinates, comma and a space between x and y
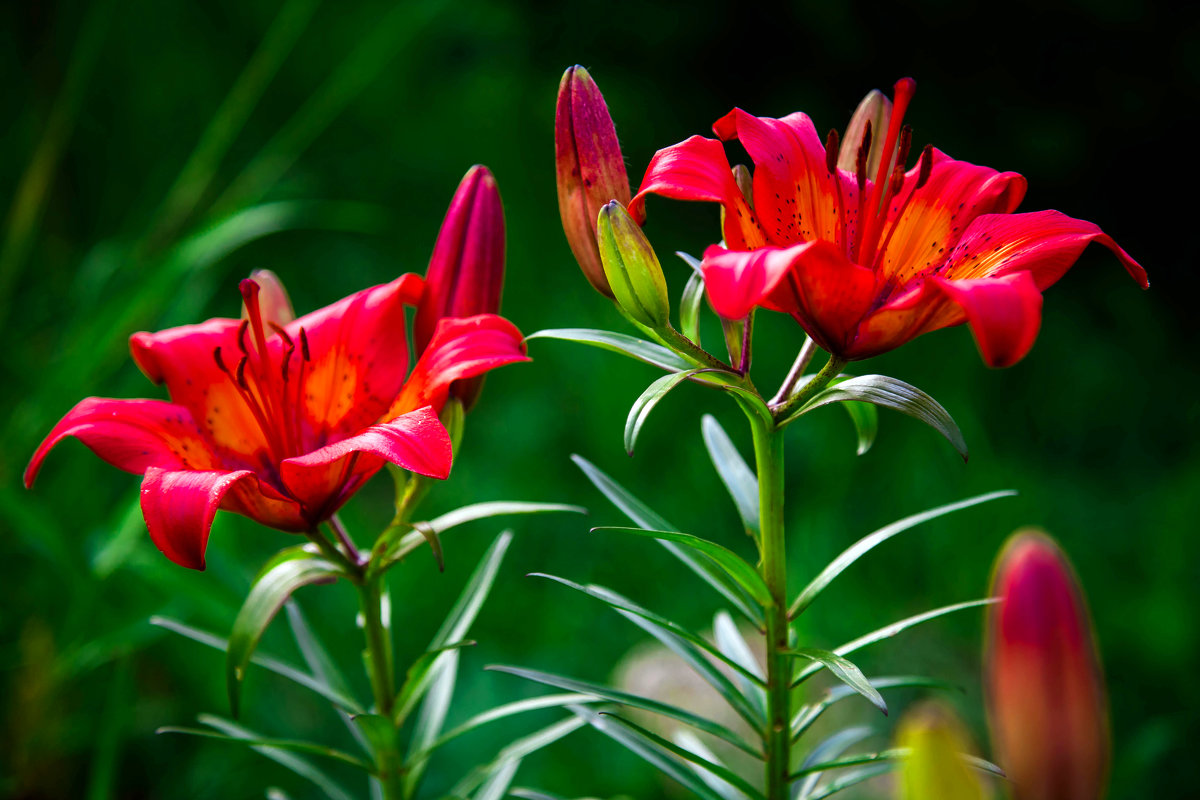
466, 270
1046, 701
273, 301
935, 767
590, 169
631, 267
876, 109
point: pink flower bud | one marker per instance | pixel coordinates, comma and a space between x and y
591, 171
466, 270
1046, 700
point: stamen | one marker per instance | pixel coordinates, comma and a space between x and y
241, 373
831, 158
241, 337
282, 333
220, 361
904, 89
304, 345
926, 166
831, 151
860, 175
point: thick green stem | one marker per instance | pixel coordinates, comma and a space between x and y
781, 411
378, 658
768, 457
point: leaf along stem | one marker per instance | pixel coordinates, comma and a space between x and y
784, 409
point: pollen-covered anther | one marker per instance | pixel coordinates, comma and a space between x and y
925, 166
860, 164
831, 151
304, 345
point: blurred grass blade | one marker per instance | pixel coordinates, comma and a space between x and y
738, 478
845, 671
430, 719
734, 565
831, 747
397, 545
641, 515
692, 743
119, 700
653, 754
497, 783
852, 778
889, 631
397, 32
506, 710
806, 715
850, 761
634, 701
315, 655
297, 764
689, 308
865, 544
291, 745
455, 626
640, 411
533, 794
621, 603
734, 647
714, 768
516, 751
344, 701
283, 574
654, 354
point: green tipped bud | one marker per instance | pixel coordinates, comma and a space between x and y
875, 110
631, 267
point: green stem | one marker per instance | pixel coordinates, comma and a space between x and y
781, 411
768, 457
378, 657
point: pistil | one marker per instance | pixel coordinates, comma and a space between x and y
881, 191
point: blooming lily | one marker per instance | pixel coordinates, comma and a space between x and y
282, 420
466, 270
863, 260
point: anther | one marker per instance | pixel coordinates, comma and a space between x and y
926, 166
864, 151
241, 337
905, 144
831, 151
304, 345
241, 373
220, 361
275, 326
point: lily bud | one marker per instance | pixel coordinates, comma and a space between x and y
1046, 701
935, 765
875, 109
631, 267
590, 169
466, 270
273, 301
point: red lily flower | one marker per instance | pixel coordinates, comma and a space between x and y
282, 421
865, 263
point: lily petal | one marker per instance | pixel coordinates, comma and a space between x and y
133, 435
795, 196
1004, 313
697, 169
460, 348
179, 506
359, 357
324, 479
738, 280
1046, 243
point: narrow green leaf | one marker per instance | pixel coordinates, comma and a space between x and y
533, 794
283, 575
378, 730
406, 542
689, 307
650, 752
643, 516
640, 411
714, 768
297, 764
831, 747
889, 631
498, 781
430, 719
690, 260
865, 544
653, 354
506, 710
293, 745
692, 743
866, 423
806, 715
852, 778
845, 671
738, 478
888, 392
315, 654
516, 751
734, 565
293, 674
850, 761
621, 603
633, 700
734, 647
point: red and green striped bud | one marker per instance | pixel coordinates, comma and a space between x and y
632, 268
935, 764
590, 169
466, 270
1046, 700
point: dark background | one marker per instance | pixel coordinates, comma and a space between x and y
337, 176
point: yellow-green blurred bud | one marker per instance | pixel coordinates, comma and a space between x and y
631, 267
934, 768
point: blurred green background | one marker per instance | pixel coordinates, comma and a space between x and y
154, 153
